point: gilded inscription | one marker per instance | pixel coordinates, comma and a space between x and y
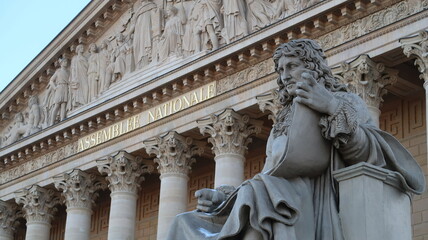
156, 113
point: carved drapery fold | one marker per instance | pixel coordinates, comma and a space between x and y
78, 188
124, 172
270, 102
418, 46
9, 213
230, 131
174, 152
366, 78
39, 203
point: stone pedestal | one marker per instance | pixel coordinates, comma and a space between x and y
372, 204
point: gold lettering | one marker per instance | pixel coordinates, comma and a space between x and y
115, 130
151, 117
130, 125
202, 95
158, 113
193, 99
87, 142
165, 107
211, 90
136, 121
92, 140
186, 101
175, 105
98, 139
80, 145
121, 128
107, 134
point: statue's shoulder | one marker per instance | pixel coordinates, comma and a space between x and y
357, 104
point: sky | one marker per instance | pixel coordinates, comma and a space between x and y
27, 27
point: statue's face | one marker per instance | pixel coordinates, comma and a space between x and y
290, 70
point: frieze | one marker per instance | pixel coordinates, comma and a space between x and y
372, 22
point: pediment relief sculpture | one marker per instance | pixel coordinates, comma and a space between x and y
148, 34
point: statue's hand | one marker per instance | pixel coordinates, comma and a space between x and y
315, 96
209, 199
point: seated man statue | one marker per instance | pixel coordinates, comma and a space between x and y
295, 197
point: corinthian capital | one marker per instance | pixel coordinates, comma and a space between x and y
230, 132
39, 203
418, 46
366, 78
270, 102
78, 188
174, 153
124, 172
9, 212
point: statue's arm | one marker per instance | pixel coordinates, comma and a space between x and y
345, 128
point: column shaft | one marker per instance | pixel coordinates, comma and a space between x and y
78, 225
229, 169
38, 231
123, 210
173, 201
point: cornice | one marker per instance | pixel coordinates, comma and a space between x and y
225, 61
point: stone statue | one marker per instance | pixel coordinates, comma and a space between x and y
171, 40
120, 57
35, 115
295, 197
93, 71
204, 27
235, 24
58, 95
141, 27
104, 60
79, 79
260, 14
17, 131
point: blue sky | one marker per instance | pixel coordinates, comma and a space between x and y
27, 27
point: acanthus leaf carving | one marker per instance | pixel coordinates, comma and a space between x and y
270, 102
418, 46
9, 213
229, 131
174, 152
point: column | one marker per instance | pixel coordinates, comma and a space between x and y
9, 212
230, 135
368, 80
174, 156
417, 46
124, 174
38, 210
78, 189
373, 205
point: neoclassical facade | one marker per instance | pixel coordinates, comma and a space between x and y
135, 105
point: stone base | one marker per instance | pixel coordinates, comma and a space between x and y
373, 205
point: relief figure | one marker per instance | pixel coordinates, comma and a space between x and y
171, 40
93, 72
294, 196
235, 24
260, 14
103, 61
79, 79
17, 131
58, 92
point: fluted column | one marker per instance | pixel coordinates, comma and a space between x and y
39, 208
417, 46
230, 135
124, 174
368, 80
174, 156
78, 189
9, 212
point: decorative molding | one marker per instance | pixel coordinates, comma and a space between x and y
39, 203
9, 213
371, 23
124, 172
78, 188
174, 152
366, 78
418, 46
230, 131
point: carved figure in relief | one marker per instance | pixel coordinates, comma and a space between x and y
35, 115
294, 196
141, 27
103, 60
204, 27
171, 40
79, 79
260, 14
120, 57
235, 24
58, 94
93, 71
17, 131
